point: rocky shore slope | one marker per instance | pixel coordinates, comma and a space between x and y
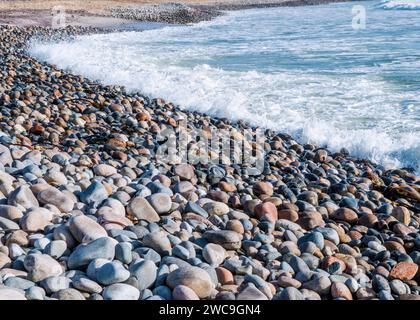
88, 211
181, 13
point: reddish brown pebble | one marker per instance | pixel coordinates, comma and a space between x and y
404, 271
340, 290
227, 187
261, 188
345, 214
288, 214
224, 276
266, 210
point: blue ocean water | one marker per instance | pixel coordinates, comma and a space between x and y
315, 72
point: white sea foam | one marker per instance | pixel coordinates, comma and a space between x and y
400, 4
221, 69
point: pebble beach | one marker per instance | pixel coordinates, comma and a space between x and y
89, 211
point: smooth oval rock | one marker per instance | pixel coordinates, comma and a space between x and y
55, 283
86, 285
10, 212
56, 248
112, 272
121, 291
94, 194
68, 294
340, 290
159, 242
345, 214
104, 170
267, 211
54, 196
194, 278
145, 272
24, 197
102, 248
141, 209
36, 220
214, 254
404, 271
216, 208
182, 292
161, 202
85, 229
41, 266
229, 240
11, 294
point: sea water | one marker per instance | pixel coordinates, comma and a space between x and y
335, 75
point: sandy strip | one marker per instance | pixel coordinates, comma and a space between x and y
101, 13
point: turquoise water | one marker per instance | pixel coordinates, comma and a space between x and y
301, 70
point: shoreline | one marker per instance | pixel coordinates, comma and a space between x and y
119, 14
311, 225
